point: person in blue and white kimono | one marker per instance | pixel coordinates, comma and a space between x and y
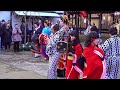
87, 31
51, 48
111, 47
51, 51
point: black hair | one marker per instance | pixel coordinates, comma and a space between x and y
94, 28
16, 24
37, 23
3, 20
56, 27
47, 22
76, 35
64, 20
113, 31
89, 37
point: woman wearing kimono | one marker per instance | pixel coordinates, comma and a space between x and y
51, 51
45, 34
64, 36
95, 66
111, 47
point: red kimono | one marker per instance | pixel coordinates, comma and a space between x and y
94, 66
73, 74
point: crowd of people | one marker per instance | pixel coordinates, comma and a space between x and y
5, 35
94, 60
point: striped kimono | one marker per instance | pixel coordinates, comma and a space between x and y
111, 49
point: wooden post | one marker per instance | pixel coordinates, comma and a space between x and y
25, 30
100, 20
113, 19
72, 20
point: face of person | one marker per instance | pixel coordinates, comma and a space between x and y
45, 25
72, 38
61, 23
35, 25
8, 25
96, 41
3, 22
16, 26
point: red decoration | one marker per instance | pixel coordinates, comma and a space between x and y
83, 13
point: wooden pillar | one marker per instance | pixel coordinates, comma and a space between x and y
25, 30
100, 21
87, 21
72, 20
89, 17
113, 19
75, 19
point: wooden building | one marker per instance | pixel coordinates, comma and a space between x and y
102, 19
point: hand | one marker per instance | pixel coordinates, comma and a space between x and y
70, 53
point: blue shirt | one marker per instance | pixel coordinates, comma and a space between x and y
46, 30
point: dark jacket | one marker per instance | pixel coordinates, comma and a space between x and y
8, 34
36, 34
3, 27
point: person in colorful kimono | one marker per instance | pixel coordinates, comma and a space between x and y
51, 51
45, 34
111, 47
95, 63
64, 36
72, 73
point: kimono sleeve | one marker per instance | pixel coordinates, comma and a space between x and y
105, 46
62, 33
55, 40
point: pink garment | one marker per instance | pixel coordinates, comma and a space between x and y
104, 70
16, 35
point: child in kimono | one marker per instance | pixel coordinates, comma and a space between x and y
71, 72
45, 33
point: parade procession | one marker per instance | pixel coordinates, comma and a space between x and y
68, 44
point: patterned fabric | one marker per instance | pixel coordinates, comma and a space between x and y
111, 48
51, 47
87, 31
43, 38
64, 33
52, 71
51, 50
62, 46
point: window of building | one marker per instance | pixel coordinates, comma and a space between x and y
107, 21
